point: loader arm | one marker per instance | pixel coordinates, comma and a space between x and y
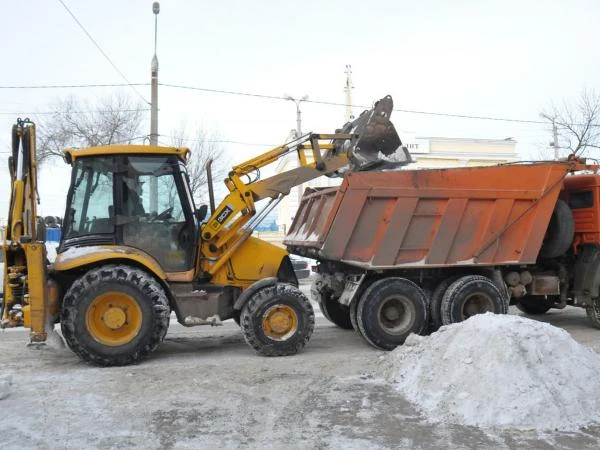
25, 279
369, 142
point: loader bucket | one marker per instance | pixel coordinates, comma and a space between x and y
378, 146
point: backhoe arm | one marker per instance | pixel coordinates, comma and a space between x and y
25, 300
369, 142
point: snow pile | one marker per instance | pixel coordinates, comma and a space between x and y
5, 386
499, 371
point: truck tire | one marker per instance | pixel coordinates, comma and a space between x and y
471, 295
353, 309
534, 304
593, 312
389, 310
114, 315
277, 320
334, 311
560, 232
435, 304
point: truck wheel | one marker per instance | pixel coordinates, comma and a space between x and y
334, 311
534, 305
353, 309
471, 295
435, 312
389, 310
560, 232
277, 320
593, 312
114, 315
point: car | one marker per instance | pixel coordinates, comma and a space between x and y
301, 266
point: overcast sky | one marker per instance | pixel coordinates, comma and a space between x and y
484, 58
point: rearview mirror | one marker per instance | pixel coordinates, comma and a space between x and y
201, 212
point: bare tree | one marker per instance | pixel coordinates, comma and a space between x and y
203, 146
578, 125
79, 123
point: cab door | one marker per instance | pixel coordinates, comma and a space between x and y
154, 213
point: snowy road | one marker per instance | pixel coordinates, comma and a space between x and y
205, 387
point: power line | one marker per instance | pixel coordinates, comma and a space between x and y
102, 51
32, 113
279, 97
217, 141
69, 86
321, 102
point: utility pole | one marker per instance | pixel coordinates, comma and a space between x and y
348, 90
154, 109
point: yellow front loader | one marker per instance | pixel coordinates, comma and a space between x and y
134, 246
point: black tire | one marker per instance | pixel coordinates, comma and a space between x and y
389, 310
560, 232
115, 283
534, 304
435, 304
593, 312
236, 317
287, 301
353, 310
334, 311
471, 295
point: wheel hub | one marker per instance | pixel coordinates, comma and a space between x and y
396, 315
113, 318
279, 322
477, 304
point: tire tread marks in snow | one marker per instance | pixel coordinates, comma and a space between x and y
143, 287
452, 301
260, 302
370, 303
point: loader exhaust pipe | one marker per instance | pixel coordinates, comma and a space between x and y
378, 146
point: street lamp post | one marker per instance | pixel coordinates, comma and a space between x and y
298, 113
154, 82
298, 133
154, 108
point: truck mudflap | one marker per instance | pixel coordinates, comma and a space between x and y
352, 286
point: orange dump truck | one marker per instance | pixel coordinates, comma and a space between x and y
408, 251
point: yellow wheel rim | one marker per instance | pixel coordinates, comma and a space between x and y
114, 318
279, 322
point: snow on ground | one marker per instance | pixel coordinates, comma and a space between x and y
5, 385
499, 371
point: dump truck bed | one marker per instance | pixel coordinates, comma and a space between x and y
430, 218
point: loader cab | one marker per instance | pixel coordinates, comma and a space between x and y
134, 200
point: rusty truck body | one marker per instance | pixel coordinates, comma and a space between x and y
411, 250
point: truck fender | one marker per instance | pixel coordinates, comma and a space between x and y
253, 289
586, 284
